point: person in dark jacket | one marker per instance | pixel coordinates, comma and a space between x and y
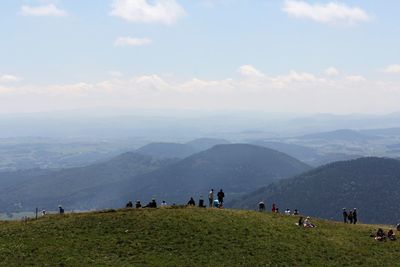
191, 202
355, 216
129, 204
138, 205
350, 217
221, 196
261, 206
201, 202
152, 204
61, 209
345, 215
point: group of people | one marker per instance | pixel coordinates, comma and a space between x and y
381, 235
275, 209
217, 203
350, 216
138, 204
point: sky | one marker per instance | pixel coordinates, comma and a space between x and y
278, 56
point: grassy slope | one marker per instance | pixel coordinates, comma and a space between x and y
189, 237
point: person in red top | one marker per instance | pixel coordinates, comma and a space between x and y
273, 208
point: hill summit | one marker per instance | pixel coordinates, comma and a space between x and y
189, 237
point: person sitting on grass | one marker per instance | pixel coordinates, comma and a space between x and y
300, 222
163, 204
380, 235
296, 212
138, 205
201, 202
129, 204
61, 209
391, 235
191, 202
307, 223
152, 204
216, 203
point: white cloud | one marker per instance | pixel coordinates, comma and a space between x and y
332, 12
295, 91
250, 71
9, 78
393, 68
159, 11
331, 71
129, 41
44, 10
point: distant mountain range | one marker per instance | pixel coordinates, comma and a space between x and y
237, 168
369, 184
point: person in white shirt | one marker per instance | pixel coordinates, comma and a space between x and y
211, 197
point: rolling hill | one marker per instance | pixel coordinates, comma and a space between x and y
189, 237
237, 168
166, 150
369, 184
80, 188
178, 150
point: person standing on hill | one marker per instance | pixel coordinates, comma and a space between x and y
345, 215
211, 197
273, 208
221, 196
350, 217
261, 206
355, 216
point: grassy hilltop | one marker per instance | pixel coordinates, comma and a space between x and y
189, 237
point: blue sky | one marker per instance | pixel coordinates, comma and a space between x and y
79, 54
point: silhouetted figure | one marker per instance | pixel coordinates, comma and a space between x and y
350, 217
345, 215
129, 204
191, 202
300, 223
391, 235
138, 204
211, 197
380, 235
152, 204
201, 202
273, 208
61, 210
296, 212
221, 196
277, 210
261, 206
355, 216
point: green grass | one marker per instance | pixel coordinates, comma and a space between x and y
189, 237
